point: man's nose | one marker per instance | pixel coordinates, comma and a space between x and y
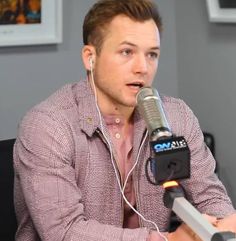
140, 65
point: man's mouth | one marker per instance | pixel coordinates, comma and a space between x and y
136, 85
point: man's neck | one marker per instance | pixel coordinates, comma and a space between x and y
125, 112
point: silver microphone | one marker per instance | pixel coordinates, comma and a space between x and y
150, 108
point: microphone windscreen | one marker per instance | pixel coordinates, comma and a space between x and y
150, 108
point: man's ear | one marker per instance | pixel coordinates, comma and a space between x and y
88, 56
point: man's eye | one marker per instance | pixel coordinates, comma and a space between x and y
153, 55
126, 52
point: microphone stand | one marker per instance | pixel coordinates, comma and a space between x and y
174, 198
170, 161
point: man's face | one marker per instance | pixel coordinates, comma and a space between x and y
128, 60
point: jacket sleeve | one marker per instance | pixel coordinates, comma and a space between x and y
204, 189
42, 161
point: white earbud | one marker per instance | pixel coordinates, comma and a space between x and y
91, 63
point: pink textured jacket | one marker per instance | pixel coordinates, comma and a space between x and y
65, 185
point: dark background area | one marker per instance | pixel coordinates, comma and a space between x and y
227, 3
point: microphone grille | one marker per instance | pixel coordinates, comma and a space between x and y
150, 108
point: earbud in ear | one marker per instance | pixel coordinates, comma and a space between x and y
91, 63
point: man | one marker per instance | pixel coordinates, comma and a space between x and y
80, 155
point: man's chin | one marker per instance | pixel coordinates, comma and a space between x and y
131, 104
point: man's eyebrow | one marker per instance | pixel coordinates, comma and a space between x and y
155, 48
134, 45
128, 43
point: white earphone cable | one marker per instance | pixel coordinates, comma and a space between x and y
112, 159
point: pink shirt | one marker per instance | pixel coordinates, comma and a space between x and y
123, 148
